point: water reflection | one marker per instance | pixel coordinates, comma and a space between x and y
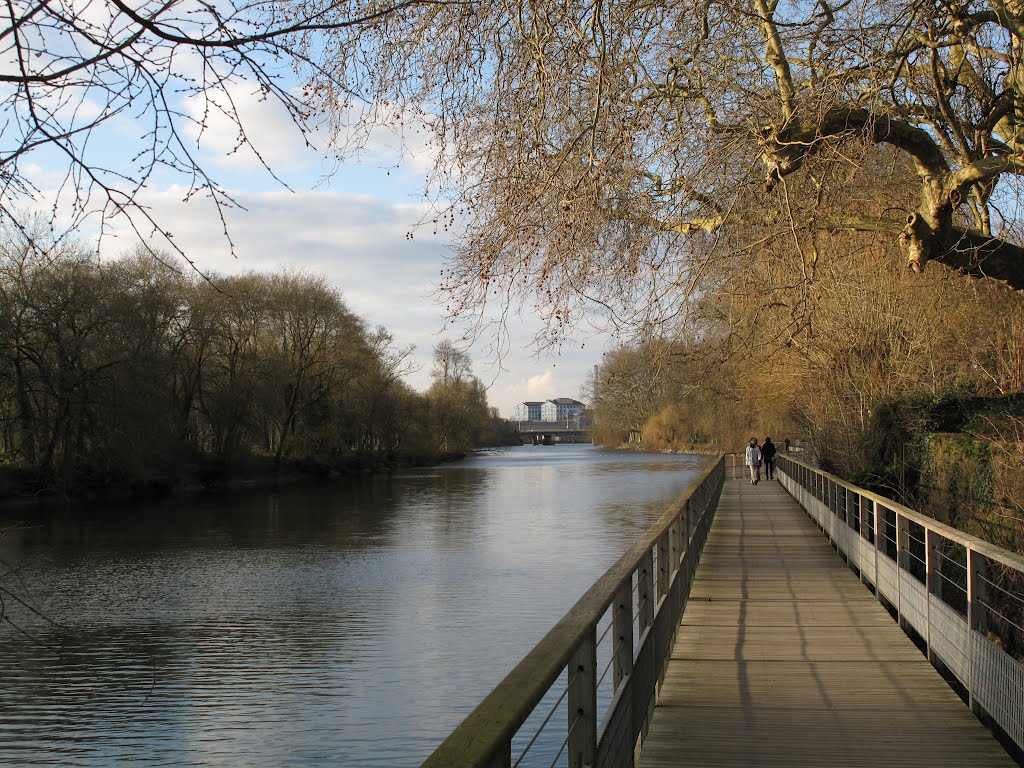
350, 625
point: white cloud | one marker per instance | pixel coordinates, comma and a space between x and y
397, 143
393, 138
270, 131
539, 387
357, 242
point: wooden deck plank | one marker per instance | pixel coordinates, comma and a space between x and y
784, 658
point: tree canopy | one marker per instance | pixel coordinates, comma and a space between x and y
614, 156
618, 155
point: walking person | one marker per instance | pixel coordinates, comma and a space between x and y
768, 454
753, 461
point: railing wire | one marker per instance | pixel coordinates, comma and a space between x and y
949, 596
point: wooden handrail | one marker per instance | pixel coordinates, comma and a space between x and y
989, 550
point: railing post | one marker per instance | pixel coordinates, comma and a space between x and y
664, 570
862, 536
645, 599
970, 627
645, 590
878, 538
583, 703
929, 587
675, 552
684, 527
622, 621
833, 504
688, 527
843, 531
975, 621
902, 562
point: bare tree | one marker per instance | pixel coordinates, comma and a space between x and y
617, 157
450, 364
118, 95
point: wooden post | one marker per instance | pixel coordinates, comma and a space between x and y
902, 562
645, 598
828, 522
663, 566
692, 512
878, 538
976, 620
684, 539
645, 590
622, 629
675, 554
582, 725
863, 535
843, 503
970, 627
929, 587
688, 548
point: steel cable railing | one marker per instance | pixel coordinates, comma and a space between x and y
642, 598
960, 595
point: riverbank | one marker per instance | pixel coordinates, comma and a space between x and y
26, 485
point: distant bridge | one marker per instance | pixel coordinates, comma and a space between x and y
550, 432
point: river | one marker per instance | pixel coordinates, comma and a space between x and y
349, 624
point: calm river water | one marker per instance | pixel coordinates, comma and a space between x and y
348, 625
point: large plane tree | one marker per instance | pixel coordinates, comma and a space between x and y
603, 154
615, 154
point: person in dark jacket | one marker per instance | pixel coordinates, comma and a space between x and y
768, 456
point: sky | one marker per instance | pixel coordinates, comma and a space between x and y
351, 227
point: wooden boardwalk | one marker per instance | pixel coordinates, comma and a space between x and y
785, 659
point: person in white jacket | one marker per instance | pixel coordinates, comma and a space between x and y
754, 461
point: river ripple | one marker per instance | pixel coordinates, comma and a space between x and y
345, 625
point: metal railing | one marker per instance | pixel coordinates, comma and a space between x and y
625, 624
961, 595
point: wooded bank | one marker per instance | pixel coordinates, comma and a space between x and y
125, 373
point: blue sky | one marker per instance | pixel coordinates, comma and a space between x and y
351, 227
